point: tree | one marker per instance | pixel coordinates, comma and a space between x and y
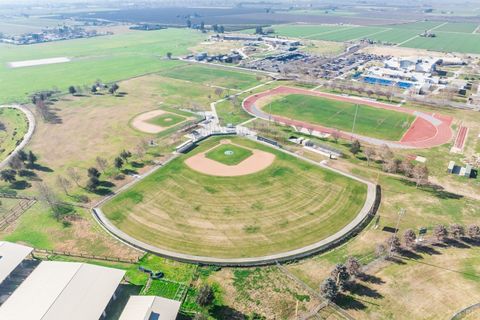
369, 154
94, 89
409, 236
340, 275
64, 183
101, 163
8, 175
335, 135
22, 155
473, 231
200, 316
353, 266
355, 147
48, 196
392, 165
221, 29
407, 168
16, 163
202, 25
74, 175
420, 174
72, 90
169, 55
259, 30
93, 183
385, 153
113, 89
440, 232
93, 173
205, 295
329, 289
118, 162
394, 244
380, 250
32, 158
189, 23
457, 230
125, 155
219, 92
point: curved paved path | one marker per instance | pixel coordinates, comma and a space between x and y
368, 210
26, 138
428, 130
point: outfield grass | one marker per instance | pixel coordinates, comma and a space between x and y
287, 206
167, 120
213, 76
222, 154
370, 121
16, 125
109, 58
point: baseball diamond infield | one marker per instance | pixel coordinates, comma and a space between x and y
145, 121
291, 208
426, 131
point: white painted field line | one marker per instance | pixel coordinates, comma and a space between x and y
412, 38
371, 34
327, 32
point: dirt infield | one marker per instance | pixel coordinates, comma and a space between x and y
428, 130
141, 123
258, 161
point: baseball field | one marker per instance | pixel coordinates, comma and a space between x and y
271, 202
369, 121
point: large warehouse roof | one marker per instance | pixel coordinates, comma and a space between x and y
63, 290
11, 255
149, 308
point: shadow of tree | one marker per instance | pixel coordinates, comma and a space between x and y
226, 312
455, 243
20, 185
370, 278
362, 290
410, 254
427, 250
348, 302
435, 190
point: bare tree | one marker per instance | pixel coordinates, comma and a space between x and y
407, 168
102, 163
353, 266
369, 154
394, 244
392, 165
335, 135
46, 195
473, 231
385, 153
457, 230
440, 232
380, 250
64, 183
218, 92
409, 236
74, 175
420, 174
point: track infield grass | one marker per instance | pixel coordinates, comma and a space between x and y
370, 121
166, 120
13, 126
228, 154
286, 206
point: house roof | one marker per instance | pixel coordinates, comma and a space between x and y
11, 255
63, 290
142, 307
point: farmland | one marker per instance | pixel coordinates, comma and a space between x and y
108, 58
179, 209
370, 121
455, 37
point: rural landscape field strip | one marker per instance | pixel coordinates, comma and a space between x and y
203, 215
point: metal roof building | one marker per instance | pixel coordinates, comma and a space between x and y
63, 290
11, 256
150, 308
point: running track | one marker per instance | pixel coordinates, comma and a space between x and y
426, 131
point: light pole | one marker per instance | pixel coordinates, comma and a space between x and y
401, 213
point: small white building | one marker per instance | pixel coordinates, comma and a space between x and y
150, 308
63, 290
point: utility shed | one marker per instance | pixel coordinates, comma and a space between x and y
11, 256
63, 290
150, 308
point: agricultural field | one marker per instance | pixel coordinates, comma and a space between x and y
451, 37
180, 209
21, 25
108, 58
13, 126
213, 76
370, 121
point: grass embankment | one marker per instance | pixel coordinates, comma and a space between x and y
13, 126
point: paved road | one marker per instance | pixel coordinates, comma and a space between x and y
319, 246
31, 128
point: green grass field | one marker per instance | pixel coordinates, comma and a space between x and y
371, 122
108, 58
213, 76
229, 154
286, 206
455, 37
167, 120
15, 126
